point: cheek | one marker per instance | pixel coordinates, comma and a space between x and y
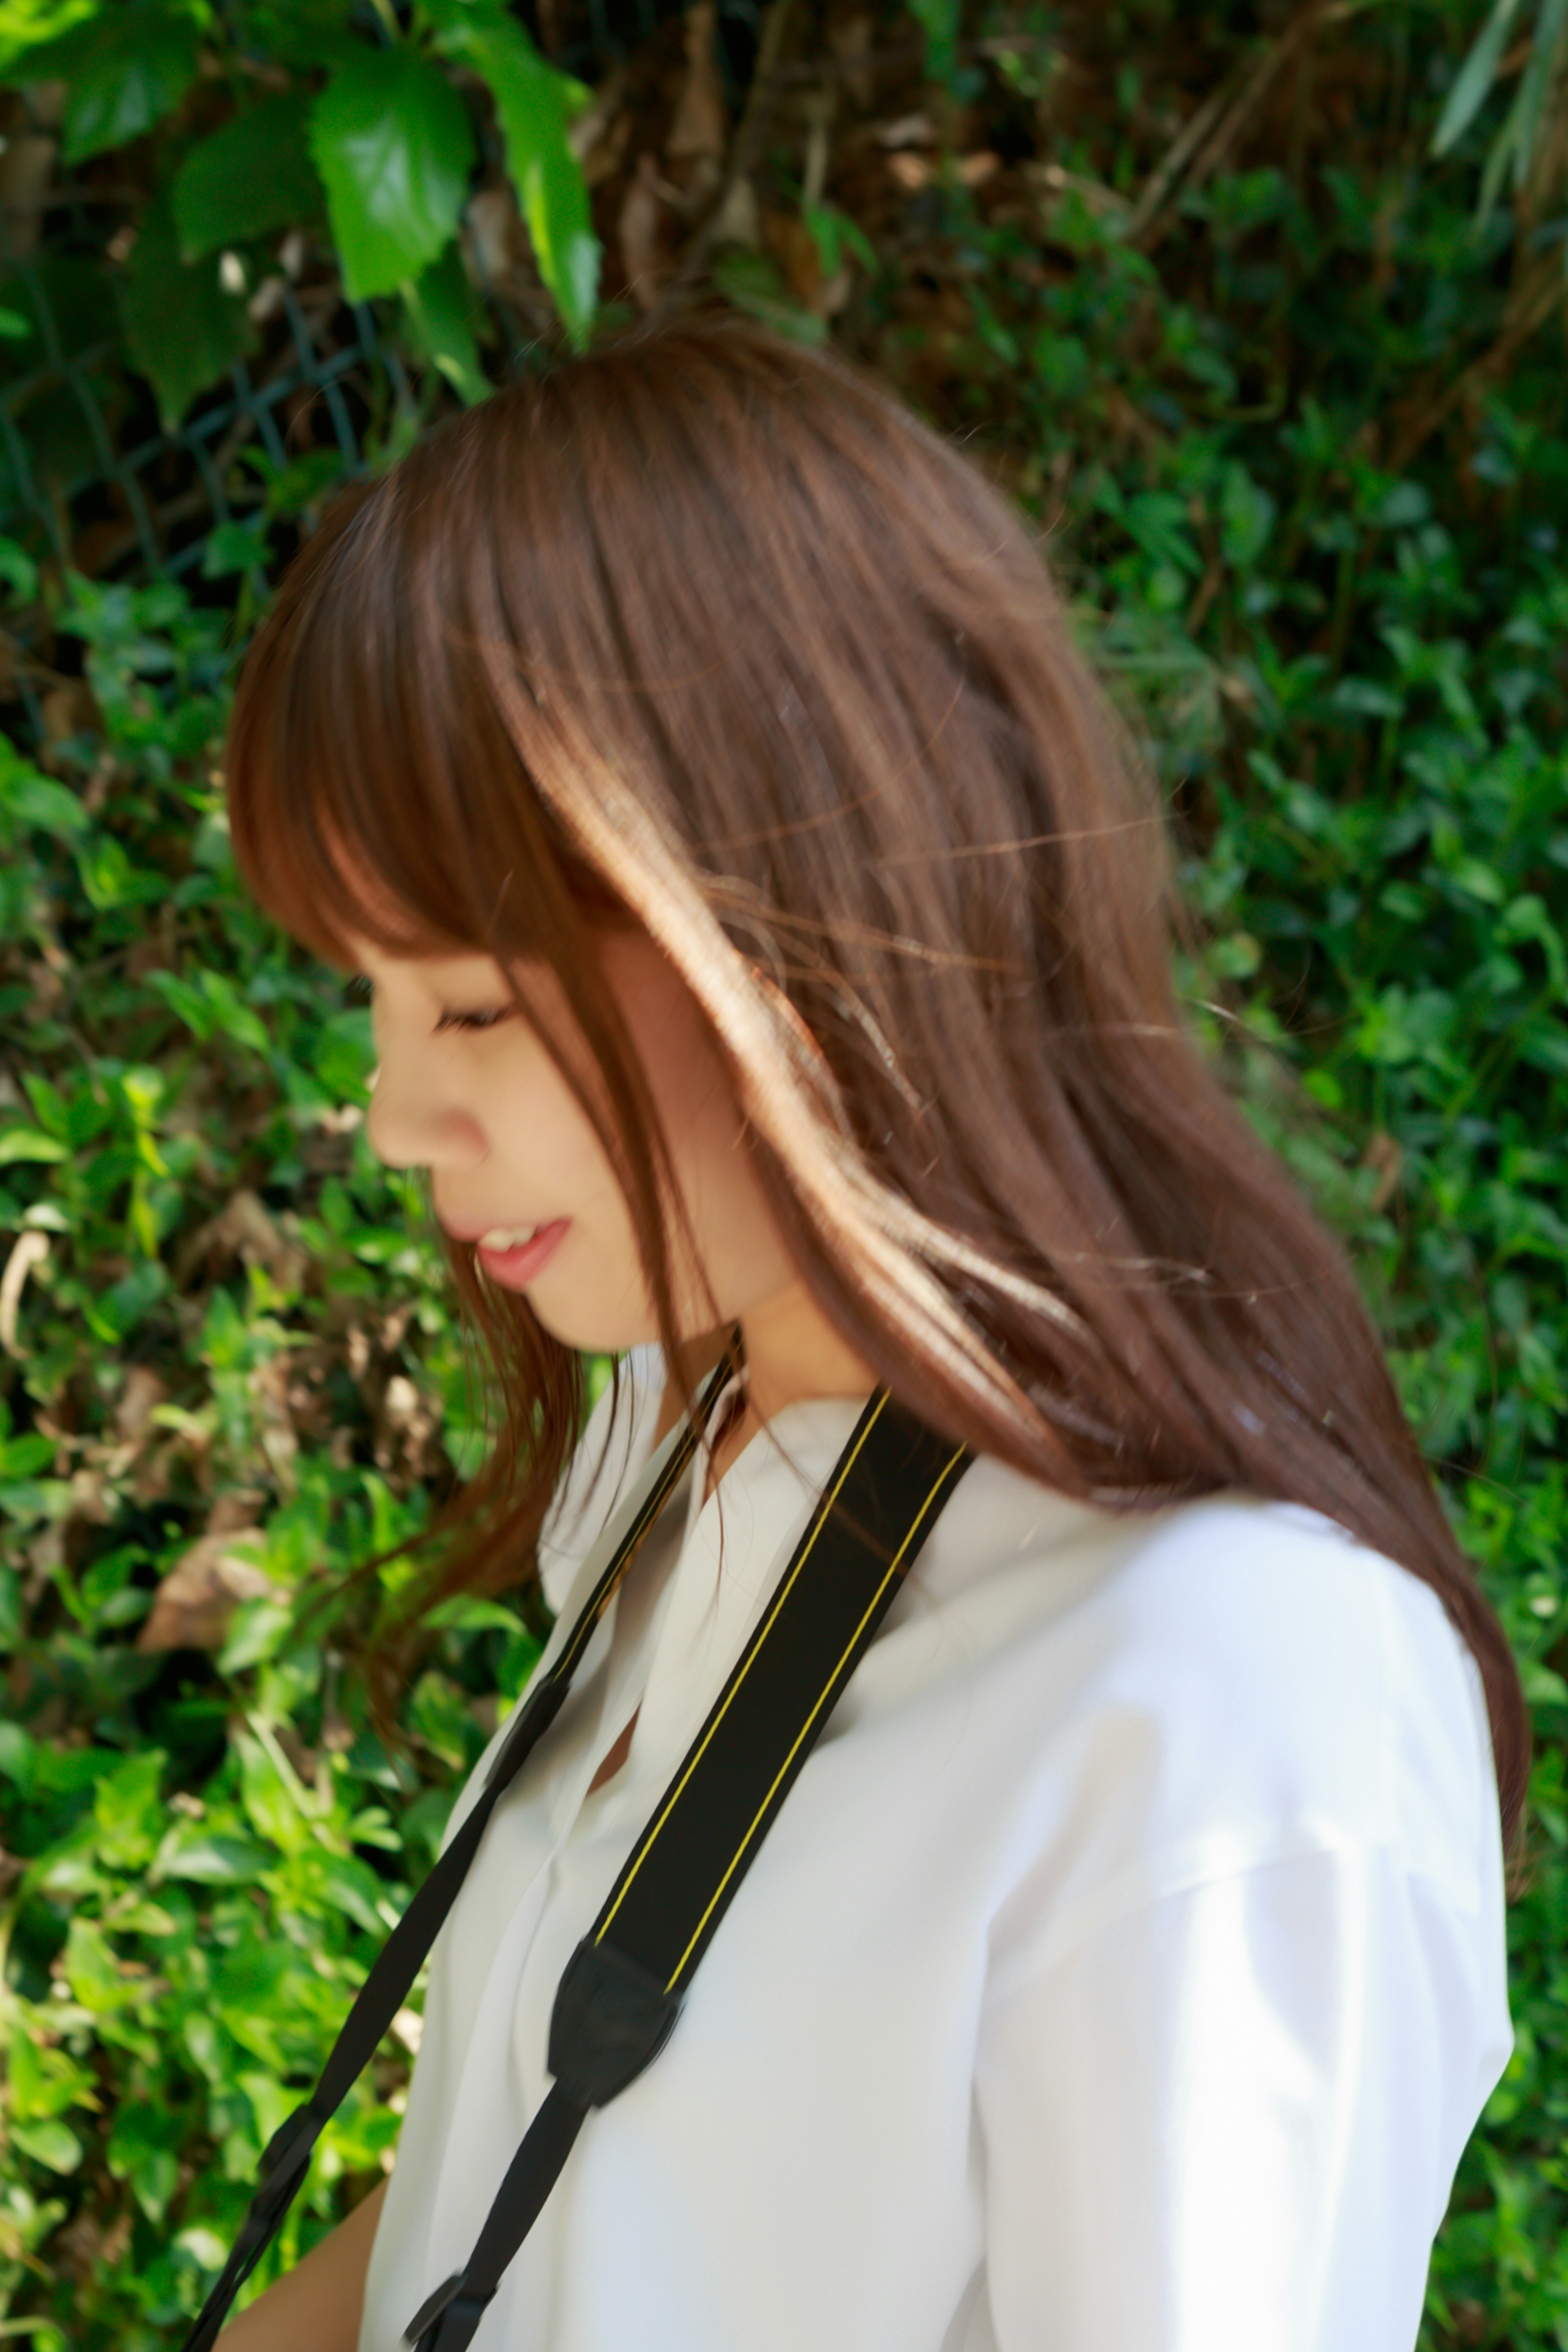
537, 1125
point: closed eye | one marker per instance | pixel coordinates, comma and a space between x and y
485, 1017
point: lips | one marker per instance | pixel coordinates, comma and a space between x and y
507, 1237
514, 1262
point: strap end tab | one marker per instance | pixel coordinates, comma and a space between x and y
611, 2019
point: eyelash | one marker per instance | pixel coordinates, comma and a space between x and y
361, 991
486, 1018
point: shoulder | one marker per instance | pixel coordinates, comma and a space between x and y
1226, 1682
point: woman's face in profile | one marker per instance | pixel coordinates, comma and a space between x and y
466, 1089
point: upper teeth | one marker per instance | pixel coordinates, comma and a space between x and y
507, 1237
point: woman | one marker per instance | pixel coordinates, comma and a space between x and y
768, 935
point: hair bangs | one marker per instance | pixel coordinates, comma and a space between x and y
374, 791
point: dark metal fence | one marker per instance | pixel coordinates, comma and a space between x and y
84, 466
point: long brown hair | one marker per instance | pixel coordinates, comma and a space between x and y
705, 632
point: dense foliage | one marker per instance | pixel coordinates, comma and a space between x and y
238, 122
1296, 428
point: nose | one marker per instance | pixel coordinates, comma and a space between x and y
410, 1123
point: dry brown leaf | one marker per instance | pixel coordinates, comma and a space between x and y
234, 1511
794, 249
194, 1601
849, 40
1385, 1155
405, 1423
496, 242
737, 221
140, 1396
701, 125
29, 1250
46, 103
1054, 182
638, 230
819, 107
68, 709
275, 1423
243, 1228
600, 137
907, 131
27, 167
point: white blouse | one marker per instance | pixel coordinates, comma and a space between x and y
1125, 1971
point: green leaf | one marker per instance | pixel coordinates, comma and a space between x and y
1474, 79
24, 1457
837, 233
15, 1754
343, 1059
235, 547
253, 175
19, 1143
17, 568
113, 1317
463, 1612
28, 24
51, 2143
212, 1860
1247, 513
124, 71
938, 19
30, 798
394, 145
436, 309
351, 1887
753, 283
183, 329
259, 1628
536, 104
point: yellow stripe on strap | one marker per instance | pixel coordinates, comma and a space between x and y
805, 1730
779, 1599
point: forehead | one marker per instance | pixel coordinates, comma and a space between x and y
411, 965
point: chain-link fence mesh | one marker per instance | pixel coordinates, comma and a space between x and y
87, 475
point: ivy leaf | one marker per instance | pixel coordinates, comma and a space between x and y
436, 309
27, 24
124, 71
535, 104
253, 175
302, 33
181, 327
394, 145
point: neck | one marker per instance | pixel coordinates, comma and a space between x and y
793, 1352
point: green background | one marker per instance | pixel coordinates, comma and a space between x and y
1259, 314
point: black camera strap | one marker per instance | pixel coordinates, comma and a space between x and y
622, 1989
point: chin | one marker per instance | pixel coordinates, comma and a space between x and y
605, 1334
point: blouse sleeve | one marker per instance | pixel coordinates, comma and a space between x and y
1229, 2121
1224, 2095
